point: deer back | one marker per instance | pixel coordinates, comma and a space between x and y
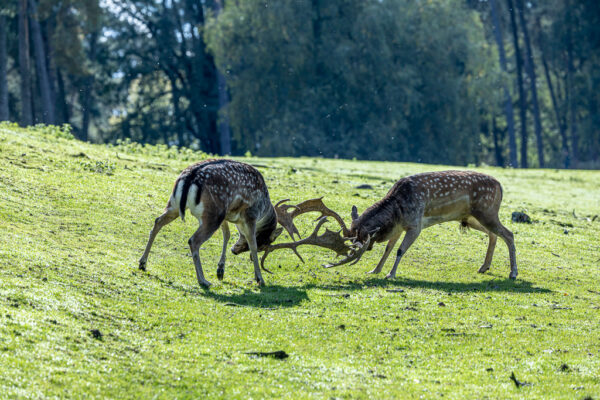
229, 188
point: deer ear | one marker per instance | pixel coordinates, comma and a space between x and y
354, 213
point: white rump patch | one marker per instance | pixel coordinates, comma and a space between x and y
197, 211
191, 197
176, 196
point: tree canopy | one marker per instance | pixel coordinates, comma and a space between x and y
370, 79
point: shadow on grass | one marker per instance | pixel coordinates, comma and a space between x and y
276, 296
497, 285
271, 296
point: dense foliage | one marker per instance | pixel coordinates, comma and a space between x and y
363, 79
503, 82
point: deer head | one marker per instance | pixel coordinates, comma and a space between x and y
361, 230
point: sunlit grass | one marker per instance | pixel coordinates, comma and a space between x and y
78, 320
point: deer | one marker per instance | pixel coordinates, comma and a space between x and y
419, 201
217, 192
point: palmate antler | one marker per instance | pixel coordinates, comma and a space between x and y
285, 217
329, 239
336, 241
354, 255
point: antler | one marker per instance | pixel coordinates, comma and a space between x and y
285, 218
329, 239
355, 254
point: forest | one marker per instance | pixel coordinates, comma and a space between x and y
510, 83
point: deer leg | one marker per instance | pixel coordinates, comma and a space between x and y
208, 226
254, 255
409, 238
473, 223
388, 249
494, 225
166, 217
221, 264
248, 229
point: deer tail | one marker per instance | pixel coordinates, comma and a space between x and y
185, 188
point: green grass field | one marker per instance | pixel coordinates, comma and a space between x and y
79, 320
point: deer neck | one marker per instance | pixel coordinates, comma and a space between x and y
382, 218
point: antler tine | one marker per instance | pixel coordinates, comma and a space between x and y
317, 204
285, 218
285, 206
280, 202
321, 220
270, 248
354, 256
328, 239
293, 245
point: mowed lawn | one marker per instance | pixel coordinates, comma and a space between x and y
79, 320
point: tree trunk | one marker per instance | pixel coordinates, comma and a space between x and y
177, 117
522, 99
224, 129
508, 109
570, 90
497, 148
63, 110
3, 60
40, 66
47, 30
594, 139
24, 66
199, 69
530, 67
559, 121
87, 95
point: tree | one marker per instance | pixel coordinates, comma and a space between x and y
560, 121
47, 96
571, 86
530, 66
88, 87
162, 42
508, 110
519, 73
224, 129
4, 110
24, 65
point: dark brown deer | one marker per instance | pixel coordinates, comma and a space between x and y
420, 201
217, 192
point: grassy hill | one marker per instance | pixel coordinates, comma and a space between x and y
79, 320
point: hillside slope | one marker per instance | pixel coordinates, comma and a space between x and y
79, 320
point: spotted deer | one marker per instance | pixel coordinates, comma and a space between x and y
420, 201
217, 192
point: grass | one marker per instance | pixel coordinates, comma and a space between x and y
79, 320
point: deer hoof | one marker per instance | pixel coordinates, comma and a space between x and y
205, 284
220, 273
260, 282
373, 271
142, 265
390, 276
512, 276
483, 269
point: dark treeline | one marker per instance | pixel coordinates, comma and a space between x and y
501, 82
